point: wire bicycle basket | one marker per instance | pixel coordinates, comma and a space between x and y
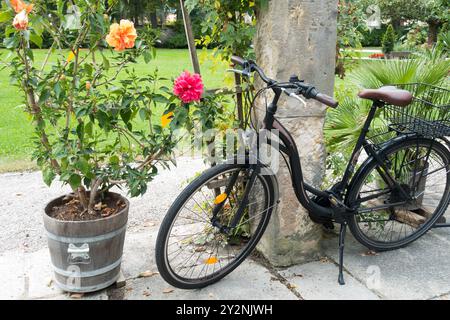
428, 115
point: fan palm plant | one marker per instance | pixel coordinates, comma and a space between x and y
430, 67
344, 123
444, 41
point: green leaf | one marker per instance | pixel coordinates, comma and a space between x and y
48, 175
88, 129
126, 115
45, 94
5, 16
38, 24
81, 112
102, 118
57, 89
9, 30
74, 181
11, 42
83, 166
143, 114
89, 69
114, 160
160, 98
106, 64
30, 54
147, 56
80, 131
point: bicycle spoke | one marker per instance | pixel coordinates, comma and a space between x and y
198, 250
423, 174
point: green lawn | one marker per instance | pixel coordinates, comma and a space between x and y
15, 127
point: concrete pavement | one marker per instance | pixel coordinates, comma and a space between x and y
419, 271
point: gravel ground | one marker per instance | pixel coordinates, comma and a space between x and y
24, 196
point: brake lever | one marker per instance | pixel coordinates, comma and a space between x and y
295, 96
241, 72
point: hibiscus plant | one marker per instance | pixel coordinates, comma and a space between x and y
96, 120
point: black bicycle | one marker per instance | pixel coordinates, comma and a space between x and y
399, 192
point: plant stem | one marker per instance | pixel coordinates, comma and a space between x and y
82, 196
35, 109
93, 195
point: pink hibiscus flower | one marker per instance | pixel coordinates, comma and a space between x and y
188, 88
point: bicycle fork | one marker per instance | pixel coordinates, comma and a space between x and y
243, 203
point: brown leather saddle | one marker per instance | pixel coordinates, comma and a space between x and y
389, 94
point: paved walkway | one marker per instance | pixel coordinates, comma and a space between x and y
420, 271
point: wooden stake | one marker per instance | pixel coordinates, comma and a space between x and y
190, 38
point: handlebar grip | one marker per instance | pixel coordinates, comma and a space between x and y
238, 60
327, 100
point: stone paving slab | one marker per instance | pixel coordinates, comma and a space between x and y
249, 281
29, 276
139, 252
318, 281
419, 271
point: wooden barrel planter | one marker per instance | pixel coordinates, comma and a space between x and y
86, 255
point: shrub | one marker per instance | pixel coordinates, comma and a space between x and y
389, 40
173, 36
86, 118
416, 37
176, 41
372, 38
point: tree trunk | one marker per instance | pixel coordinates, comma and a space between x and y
179, 12
154, 20
396, 24
433, 29
136, 13
298, 36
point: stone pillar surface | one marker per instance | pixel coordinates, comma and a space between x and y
298, 37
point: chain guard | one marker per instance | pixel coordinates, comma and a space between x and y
324, 202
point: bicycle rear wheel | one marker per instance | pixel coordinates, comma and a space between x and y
386, 219
193, 252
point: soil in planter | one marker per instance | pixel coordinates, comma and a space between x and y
72, 210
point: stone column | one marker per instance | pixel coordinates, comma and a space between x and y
298, 37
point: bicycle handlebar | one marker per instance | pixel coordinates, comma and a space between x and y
238, 60
309, 92
327, 100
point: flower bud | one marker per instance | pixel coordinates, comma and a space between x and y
20, 21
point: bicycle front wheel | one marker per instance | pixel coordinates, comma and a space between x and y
392, 217
191, 250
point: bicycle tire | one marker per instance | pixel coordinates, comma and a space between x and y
371, 165
162, 262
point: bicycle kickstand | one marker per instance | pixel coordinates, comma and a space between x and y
341, 253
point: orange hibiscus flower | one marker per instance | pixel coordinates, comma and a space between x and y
122, 36
19, 5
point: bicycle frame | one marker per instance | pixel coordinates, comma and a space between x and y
338, 211
336, 208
